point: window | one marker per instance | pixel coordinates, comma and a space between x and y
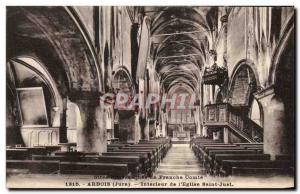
35, 96
255, 113
32, 106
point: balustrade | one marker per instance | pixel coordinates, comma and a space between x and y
225, 115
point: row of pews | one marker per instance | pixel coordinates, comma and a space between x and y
239, 159
122, 160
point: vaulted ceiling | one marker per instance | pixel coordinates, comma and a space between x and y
181, 38
51, 34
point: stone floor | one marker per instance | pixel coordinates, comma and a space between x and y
180, 160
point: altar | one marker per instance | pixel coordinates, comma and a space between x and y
181, 134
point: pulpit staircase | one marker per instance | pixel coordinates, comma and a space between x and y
224, 115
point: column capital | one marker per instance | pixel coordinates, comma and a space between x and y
224, 18
135, 25
266, 92
89, 96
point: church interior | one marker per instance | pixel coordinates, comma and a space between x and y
235, 65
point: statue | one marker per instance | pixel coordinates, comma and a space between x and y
181, 128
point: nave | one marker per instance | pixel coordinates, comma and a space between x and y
180, 160
136, 92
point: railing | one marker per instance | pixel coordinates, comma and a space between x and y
226, 115
40, 136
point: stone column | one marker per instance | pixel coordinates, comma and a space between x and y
226, 135
157, 128
147, 130
163, 129
91, 137
137, 128
224, 20
152, 129
110, 124
197, 121
63, 122
111, 112
204, 131
134, 48
164, 124
198, 129
275, 137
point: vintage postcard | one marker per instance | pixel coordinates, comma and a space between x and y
164, 97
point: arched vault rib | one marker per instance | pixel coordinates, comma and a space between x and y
180, 82
181, 48
178, 78
54, 29
175, 70
183, 86
180, 43
163, 62
191, 39
184, 13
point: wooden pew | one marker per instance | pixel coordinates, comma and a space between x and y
205, 148
284, 157
228, 147
152, 155
253, 148
60, 158
134, 163
258, 150
114, 146
204, 151
35, 150
262, 172
147, 167
197, 141
227, 165
68, 147
248, 144
112, 170
166, 142
60, 153
50, 148
213, 143
34, 166
164, 146
17, 154
218, 158
210, 155
251, 145
156, 147
199, 148
151, 152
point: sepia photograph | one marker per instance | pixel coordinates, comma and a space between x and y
150, 97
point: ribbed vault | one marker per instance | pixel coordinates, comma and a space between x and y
181, 38
59, 31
